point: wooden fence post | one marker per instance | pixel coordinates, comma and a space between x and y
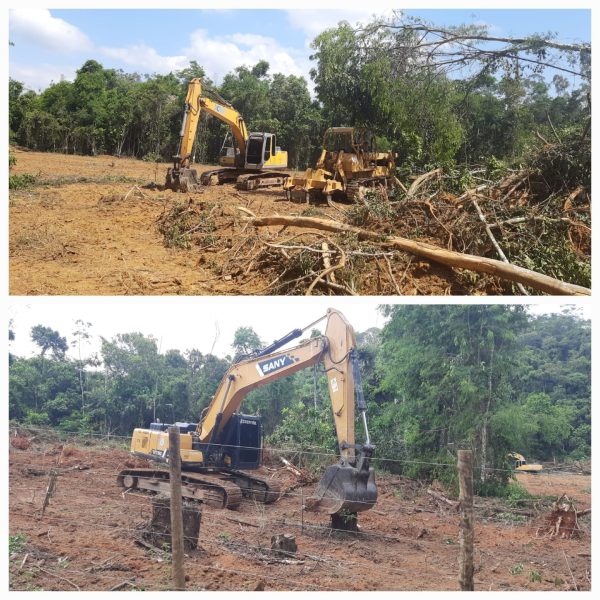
49, 489
176, 509
465, 558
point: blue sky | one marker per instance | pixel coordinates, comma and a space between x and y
53, 44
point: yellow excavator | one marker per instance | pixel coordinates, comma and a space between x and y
219, 453
252, 162
349, 165
521, 465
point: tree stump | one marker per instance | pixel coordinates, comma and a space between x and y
284, 544
344, 521
562, 521
158, 530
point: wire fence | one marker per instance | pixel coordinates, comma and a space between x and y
239, 557
311, 451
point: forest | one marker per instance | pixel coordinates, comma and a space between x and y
436, 378
437, 96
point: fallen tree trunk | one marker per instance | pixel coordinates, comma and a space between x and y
419, 181
450, 258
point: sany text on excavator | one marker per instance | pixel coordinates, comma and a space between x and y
251, 163
219, 453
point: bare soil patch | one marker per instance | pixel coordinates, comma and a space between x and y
86, 537
90, 227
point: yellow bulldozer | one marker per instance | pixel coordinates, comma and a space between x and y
349, 165
520, 464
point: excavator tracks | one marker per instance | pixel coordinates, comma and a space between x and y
259, 489
242, 179
219, 176
219, 490
211, 489
264, 179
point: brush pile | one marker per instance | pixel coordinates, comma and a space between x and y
535, 217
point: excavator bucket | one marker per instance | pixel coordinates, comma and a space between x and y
344, 488
183, 180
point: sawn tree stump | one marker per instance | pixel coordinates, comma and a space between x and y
158, 530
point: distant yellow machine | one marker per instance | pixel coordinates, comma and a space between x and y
520, 464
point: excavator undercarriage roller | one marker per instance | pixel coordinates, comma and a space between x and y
263, 179
207, 488
222, 490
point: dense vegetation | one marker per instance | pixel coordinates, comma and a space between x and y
393, 77
436, 379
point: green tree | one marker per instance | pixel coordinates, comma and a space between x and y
448, 369
49, 339
245, 340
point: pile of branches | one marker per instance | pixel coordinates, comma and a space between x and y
187, 224
520, 220
527, 231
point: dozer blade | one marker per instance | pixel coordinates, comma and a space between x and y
344, 489
183, 180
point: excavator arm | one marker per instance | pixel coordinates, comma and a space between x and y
195, 102
181, 177
208, 447
348, 485
250, 374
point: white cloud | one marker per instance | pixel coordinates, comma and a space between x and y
314, 21
38, 77
39, 27
220, 55
144, 57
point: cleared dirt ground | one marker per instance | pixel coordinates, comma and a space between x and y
86, 538
84, 229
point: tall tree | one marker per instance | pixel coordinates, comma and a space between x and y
49, 339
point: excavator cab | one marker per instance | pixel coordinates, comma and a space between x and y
262, 152
240, 443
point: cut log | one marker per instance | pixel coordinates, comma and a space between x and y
290, 467
419, 181
450, 258
453, 503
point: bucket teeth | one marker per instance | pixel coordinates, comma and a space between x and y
184, 180
344, 488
